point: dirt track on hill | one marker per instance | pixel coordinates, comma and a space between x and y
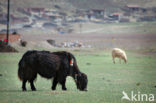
100, 40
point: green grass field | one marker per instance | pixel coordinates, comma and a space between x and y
118, 28
106, 80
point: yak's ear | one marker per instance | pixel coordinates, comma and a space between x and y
79, 74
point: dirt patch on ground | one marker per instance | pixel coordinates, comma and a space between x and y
12, 37
31, 45
6, 48
102, 41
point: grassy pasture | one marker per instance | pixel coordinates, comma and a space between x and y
106, 80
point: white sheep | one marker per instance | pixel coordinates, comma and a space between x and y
118, 53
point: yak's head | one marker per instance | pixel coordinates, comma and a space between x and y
81, 81
80, 78
70, 64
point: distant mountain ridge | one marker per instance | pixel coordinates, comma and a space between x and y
83, 4
71, 5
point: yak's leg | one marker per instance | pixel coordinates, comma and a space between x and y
24, 85
32, 85
32, 82
54, 84
63, 83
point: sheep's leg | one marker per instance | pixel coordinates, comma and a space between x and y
120, 60
113, 60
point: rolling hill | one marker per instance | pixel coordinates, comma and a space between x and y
80, 4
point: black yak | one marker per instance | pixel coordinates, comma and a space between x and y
56, 65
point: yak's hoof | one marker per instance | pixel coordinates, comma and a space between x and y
64, 89
53, 88
24, 89
34, 89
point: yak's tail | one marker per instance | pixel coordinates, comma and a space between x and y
19, 75
21, 70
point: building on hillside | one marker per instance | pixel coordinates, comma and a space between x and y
133, 8
96, 13
3, 18
116, 16
35, 11
18, 20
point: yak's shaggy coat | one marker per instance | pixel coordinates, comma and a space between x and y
56, 65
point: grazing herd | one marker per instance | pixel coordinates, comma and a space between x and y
56, 66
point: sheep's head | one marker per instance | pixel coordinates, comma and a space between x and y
124, 56
125, 60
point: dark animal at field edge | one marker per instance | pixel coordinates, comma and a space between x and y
56, 65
